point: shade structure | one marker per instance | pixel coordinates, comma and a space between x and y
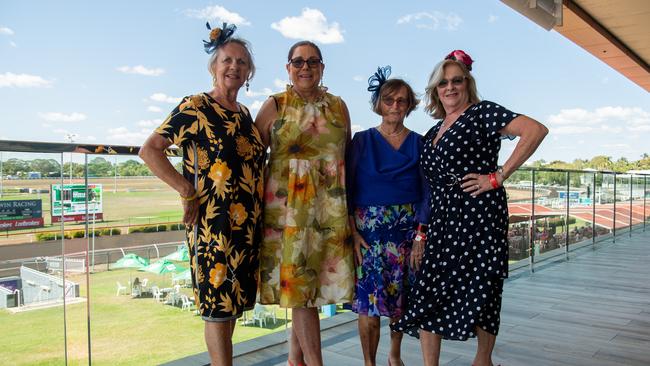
186, 275
131, 260
161, 267
180, 255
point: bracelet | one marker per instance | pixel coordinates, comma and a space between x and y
493, 180
420, 237
192, 197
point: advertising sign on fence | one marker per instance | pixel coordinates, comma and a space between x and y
73, 200
20, 214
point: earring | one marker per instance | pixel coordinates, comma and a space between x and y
214, 81
247, 85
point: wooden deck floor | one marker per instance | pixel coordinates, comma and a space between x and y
591, 310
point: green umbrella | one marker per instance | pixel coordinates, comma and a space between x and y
181, 255
186, 275
161, 267
131, 260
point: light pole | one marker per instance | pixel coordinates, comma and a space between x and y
70, 137
115, 176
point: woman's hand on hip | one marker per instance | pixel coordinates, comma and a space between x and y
191, 211
475, 184
358, 243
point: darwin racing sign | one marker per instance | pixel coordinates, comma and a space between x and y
20, 214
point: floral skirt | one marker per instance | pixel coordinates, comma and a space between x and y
384, 276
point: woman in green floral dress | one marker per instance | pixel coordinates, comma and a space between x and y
305, 260
221, 189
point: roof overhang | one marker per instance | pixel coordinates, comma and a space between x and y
616, 32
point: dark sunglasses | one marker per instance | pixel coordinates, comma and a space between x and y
298, 63
455, 81
390, 101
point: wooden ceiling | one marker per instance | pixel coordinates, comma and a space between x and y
616, 32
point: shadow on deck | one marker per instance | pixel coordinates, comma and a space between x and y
593, 309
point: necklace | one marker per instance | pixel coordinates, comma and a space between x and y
394, 134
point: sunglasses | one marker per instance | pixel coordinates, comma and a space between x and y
455, 81
390, 101
298, 63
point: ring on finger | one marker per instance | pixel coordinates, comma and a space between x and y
478, 187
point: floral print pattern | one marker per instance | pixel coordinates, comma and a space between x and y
384, 276
305, 259
230, 160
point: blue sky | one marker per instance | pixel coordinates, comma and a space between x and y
110, 71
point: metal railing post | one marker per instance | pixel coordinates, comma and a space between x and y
630, 230
593, 214
614, 216
93, 257
531, 239
566, 220
644, 200
65, 322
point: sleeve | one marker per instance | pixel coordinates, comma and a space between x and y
181, 125
495, 117
423, 208
351, 162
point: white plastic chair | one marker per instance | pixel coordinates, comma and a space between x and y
186, 304
260, 314
120, 288
157, 294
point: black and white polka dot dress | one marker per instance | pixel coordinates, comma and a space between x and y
460, 281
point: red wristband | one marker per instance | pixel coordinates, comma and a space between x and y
493, 180
422, 228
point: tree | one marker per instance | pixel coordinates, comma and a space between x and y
15, 167
100, 167
45, 166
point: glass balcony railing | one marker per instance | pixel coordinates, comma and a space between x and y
76, 220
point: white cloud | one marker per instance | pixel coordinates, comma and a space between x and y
311, 25
65, 134
13, 44
9, 79
492, 18
615, 145
451, 21
265, 92
153, 108
164, 98
567, 130
609, 119
281, 85
62, 117
358, 78
356, 128
257, 104
6, 31
124, 136
141, 70
149, 122
217, 13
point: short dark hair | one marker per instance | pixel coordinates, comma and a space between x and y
304, 43
391, 86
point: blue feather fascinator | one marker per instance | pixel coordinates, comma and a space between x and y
376, 81
218, 36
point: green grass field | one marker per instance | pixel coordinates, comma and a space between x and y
131, 202
124, 330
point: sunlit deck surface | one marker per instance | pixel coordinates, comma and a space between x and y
591, 310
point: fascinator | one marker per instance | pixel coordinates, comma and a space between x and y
461, 56
218, 36
376, 81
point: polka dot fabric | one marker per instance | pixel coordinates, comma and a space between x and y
460, 281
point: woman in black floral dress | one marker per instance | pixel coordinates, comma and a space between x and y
464, 252
221, 189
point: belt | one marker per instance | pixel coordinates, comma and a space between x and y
446, 179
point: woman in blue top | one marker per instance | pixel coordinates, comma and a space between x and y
385, 193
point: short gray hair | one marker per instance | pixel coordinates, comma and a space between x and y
240, 41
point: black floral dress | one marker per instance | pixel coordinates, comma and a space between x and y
459, 284
229, 156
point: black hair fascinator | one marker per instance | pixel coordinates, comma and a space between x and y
376, 81
218, 36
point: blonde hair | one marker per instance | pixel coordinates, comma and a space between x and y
433, 105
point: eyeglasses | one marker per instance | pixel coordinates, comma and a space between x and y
390, 101
298, 63
455, 81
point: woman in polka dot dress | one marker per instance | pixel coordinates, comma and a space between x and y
464, 260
